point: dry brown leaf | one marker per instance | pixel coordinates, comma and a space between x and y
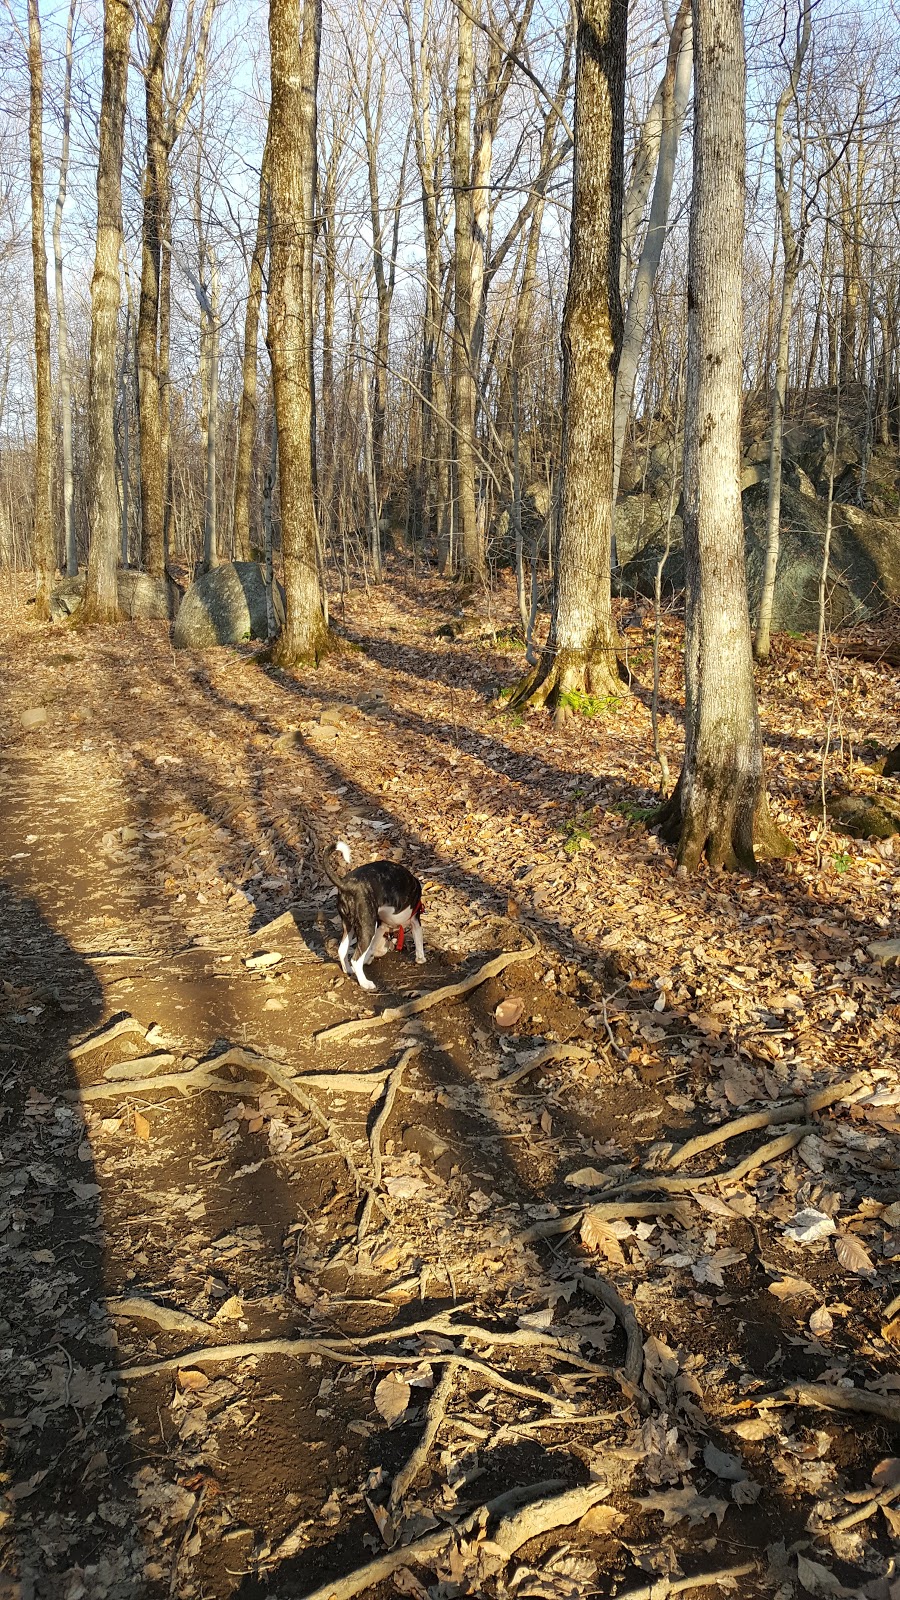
595, 1236
790, 1288
509, 1011
141, 1126
852, 1255
391, 1397
601, 1520
230, 1309
192, 1379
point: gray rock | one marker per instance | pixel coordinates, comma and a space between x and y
333, 716
226, 606
865, 816
33, 717
141, 598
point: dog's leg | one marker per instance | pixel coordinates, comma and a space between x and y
368, 939
416, 930
343, 948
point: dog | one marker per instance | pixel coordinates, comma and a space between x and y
374, 900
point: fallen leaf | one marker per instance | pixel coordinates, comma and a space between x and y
141, 1126
676, 1504
820, 1322
509, 1011
817, 1579
789, 1288
191, 1379
391, 1397
853, 1256
731, 1468
230, 1309
601, 1520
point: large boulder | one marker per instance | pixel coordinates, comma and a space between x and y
141, 598
226, 606
864, 565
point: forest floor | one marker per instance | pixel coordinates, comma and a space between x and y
438, 1294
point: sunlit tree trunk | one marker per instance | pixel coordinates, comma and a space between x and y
247, 420
719, 804
792, 243
62, 333
581, 653
471, 551
292, 153
43, 553
153, 484
101, 597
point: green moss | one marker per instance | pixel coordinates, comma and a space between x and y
588, 705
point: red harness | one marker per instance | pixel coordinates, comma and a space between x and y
401, 930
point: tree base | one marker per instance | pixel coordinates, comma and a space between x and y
93, 613
719, 827
283, 652
562, 676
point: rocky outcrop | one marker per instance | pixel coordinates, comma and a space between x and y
226, 606
141, 598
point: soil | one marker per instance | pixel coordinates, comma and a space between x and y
158, 872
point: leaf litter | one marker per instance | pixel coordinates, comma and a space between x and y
455, 1346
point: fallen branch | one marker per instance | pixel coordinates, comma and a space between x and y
837, 1399
511, 1532
436, 997
434, 1416
387, 1106
766, 1119
876, 1500
700, 1580
553, 1052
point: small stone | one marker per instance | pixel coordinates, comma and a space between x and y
333, 717
33, 717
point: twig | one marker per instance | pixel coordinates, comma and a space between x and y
434, 1416
700, 1580
885, 1497
890, 1310
387, 1106
605, 1211
553, 1052
770, 1118
436, 997
837, 1399
511, 1532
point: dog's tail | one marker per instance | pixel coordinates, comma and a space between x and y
339, 848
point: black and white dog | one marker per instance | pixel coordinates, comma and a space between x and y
372, 899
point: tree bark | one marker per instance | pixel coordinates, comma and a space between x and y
43, 553
247, 419
471, 551
792, 244
719, 804
62, 333
153, 482
101, 602
580, 657
292, 153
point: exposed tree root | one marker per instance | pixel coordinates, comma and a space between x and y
766, 1119
434, 1416
562, 673
282, 652
450, 991
506, 1537
718, 826
831, 1396
633, 1365
700, 1580
387, 1105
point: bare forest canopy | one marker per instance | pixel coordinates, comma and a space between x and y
385, 254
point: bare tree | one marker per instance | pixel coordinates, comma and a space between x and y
292, 152
101, 602
62, 327
247, 417
153, 483
792, 243
719, 805
581, 653
471, 547
43, 542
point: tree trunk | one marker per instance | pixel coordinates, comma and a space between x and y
247, 421
101, 602
292, 153
580, 657
471, 552
62, 333
210, 515
43, 555
153, 483
675, 91
719, 805
792, 245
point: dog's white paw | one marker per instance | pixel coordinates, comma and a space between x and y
420, 961
366, 983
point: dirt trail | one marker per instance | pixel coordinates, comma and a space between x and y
151, 827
